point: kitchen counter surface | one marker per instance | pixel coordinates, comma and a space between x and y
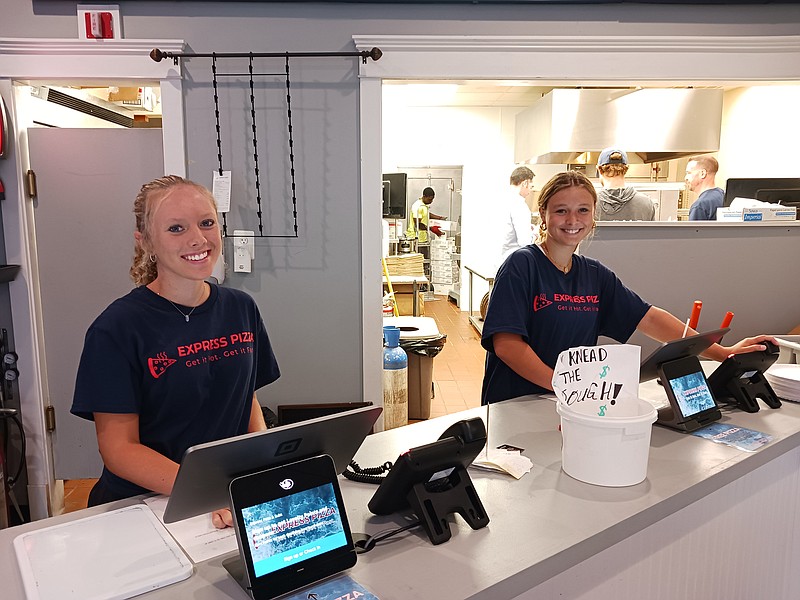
553, 536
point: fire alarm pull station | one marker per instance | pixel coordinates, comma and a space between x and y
99, 25
98, 22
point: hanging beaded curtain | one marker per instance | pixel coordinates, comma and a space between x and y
158, 55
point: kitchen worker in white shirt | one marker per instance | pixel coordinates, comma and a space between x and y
515, 216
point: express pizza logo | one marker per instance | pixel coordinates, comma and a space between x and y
540, 302
159, 364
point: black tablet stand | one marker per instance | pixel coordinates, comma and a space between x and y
432, 502
671, 415
672, 418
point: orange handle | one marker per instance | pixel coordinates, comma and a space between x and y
726, 320
695, 318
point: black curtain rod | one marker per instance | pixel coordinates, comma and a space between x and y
159, 55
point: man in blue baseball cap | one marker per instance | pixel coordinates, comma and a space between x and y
616, 201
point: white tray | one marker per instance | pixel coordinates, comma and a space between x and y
113, 555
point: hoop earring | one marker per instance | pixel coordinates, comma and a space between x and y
153, 258
543, 226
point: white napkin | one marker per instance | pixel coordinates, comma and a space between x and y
504, 461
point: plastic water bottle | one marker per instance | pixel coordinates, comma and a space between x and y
395, 380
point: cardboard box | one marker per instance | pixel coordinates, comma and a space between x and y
444, 225
761, 213
420, 386
405, 303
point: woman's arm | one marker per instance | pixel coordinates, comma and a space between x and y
520, 357
257, 422
663, 326
222, 517
126, 457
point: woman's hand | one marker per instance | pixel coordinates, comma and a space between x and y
222, 518
750, 344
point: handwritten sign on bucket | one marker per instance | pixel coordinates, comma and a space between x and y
598, 379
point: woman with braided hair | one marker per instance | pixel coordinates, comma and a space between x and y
175, 362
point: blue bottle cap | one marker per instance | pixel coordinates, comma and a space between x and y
392, 335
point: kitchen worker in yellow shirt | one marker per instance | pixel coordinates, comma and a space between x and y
419, 215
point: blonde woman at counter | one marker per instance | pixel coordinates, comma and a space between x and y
547, 299
176, 362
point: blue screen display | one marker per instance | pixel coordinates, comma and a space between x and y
692, 393
293, 529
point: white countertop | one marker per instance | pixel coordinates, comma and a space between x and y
541, 525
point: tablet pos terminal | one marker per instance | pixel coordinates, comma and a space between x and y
691, 403
291, 528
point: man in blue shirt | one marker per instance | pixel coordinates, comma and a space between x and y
700, 174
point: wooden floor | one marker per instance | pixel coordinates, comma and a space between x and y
457, 376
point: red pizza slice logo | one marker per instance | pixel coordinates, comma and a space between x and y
160, 364
540, 302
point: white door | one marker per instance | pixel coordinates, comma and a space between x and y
87, 180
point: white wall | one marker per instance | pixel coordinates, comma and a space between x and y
479, 138
760, 132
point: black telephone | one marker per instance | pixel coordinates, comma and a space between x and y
740, 380
432, 481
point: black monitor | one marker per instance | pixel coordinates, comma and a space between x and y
394, 195
784, 197
761, 188
207, 469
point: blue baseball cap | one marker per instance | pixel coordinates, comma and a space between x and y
612, 156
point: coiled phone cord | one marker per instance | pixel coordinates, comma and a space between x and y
374, 475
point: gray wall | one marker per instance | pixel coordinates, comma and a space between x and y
309, 288
750, 270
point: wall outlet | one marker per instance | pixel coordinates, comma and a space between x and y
99, 22
243, 250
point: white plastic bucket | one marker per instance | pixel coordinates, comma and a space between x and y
609, 451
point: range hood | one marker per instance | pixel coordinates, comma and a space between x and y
572, 126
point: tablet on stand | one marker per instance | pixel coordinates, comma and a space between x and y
291, 528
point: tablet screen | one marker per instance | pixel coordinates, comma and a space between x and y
692, 393
293, 529
291, 526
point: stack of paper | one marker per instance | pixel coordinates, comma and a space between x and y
785, 381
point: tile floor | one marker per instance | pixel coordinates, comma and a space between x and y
457, 376
458, 368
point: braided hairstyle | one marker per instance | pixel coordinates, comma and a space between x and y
558, 182
145, 266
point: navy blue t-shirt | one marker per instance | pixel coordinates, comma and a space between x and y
552, 311
189, 382
706, 205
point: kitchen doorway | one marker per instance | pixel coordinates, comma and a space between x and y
534, 61
76, 63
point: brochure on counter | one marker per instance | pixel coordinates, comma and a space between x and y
341, 587
748, 440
